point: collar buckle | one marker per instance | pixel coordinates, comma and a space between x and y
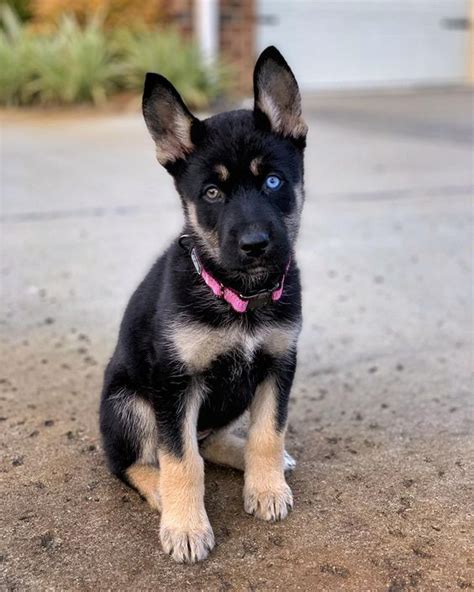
195, 260
258, 300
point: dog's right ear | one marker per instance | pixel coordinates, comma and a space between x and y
168, 120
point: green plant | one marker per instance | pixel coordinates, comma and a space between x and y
17, 51
75, 65
167, 53
22, 8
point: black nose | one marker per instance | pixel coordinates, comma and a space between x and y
254, 244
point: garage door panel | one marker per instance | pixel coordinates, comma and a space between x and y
363, 43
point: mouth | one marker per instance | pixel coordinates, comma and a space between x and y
255, 265
260, 270
264, 268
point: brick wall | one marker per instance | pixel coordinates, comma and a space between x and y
236, 35
237, 40
180, 13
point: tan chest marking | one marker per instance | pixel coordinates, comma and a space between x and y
198, 345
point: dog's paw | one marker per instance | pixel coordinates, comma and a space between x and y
272, 504
289, 463
187, 546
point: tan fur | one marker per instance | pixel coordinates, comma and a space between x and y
146, 479
281, 340
299, 192
197, 344
292, 221
222, 172
282, 108
209, 239
288, 123
185, 530
225, 448
266, 493
138, 416
175, 140
255, 165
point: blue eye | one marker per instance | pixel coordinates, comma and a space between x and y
273, 182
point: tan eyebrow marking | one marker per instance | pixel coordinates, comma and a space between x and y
255, 165
222, 171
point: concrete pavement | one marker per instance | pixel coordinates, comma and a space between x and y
381, 416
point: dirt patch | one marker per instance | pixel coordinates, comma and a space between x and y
375, 509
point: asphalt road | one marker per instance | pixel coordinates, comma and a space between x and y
381, 415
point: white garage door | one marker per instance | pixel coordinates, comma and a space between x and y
343, 43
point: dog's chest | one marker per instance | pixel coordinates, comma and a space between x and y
197, 345
229, 384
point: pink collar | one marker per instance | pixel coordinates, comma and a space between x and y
239, 302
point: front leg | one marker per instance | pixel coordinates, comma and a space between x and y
266, 493
185, 531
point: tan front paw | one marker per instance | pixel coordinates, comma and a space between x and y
269, 504
187, 545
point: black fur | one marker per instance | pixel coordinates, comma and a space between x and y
144, 364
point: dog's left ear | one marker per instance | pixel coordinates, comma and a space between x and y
277, 96
170, 123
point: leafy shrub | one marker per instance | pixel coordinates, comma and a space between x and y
75, 64
71, 66
22, 8
164, 51
17, 52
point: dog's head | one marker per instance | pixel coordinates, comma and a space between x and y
240, 173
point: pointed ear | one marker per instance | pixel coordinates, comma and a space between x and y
168, 119
277, 95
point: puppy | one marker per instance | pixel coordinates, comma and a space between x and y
211, 331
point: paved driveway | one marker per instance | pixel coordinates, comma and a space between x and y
380, 421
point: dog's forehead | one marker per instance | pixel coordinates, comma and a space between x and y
233, 137
234, 146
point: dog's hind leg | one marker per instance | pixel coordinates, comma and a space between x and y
130, 437
146, 480
225, 448
139, 421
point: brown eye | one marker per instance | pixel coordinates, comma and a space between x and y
212, 193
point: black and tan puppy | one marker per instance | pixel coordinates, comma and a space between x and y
211, 331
